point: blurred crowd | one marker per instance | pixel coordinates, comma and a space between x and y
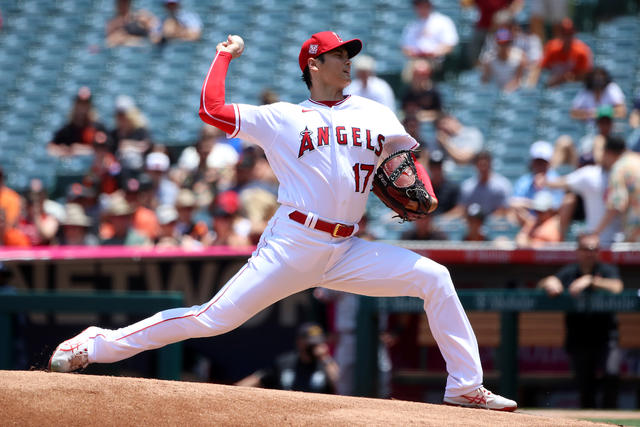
221, 191
131, 27
590, 181
216, 192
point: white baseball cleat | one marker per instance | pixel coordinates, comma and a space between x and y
73, 353
484, 399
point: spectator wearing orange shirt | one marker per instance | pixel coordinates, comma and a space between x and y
9, 202
10, 236
139, 195
567, 58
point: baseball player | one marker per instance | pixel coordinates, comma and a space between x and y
324, 152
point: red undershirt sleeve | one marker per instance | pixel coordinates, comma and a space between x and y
213, 110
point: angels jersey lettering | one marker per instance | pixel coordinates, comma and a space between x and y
328, 150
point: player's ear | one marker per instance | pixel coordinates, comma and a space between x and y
313, 64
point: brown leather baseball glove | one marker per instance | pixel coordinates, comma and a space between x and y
396, 183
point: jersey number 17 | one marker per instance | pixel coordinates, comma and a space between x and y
364, 168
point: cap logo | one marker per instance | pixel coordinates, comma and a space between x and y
313, 49
337, 36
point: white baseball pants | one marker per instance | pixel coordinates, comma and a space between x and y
290, 258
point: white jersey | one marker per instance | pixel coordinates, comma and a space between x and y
324, 157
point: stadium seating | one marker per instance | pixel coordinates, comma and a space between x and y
49, 49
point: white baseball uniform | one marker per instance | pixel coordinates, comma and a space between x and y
324, 157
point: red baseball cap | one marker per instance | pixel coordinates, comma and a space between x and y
325, 41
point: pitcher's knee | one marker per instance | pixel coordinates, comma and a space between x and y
435, 279
220, 318
210, 326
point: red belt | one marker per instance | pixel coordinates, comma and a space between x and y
335, 229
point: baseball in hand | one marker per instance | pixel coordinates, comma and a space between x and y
237, 40
236, 44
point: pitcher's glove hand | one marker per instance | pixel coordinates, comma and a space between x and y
396, 183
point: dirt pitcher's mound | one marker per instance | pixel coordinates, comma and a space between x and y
41, 398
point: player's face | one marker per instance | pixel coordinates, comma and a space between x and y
336, 68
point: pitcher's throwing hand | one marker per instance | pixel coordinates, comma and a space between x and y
234, 45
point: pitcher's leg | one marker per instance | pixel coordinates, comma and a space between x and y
260, 283
377, 269
452, 331
288, 259
215, 317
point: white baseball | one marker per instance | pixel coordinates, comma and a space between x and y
238, 41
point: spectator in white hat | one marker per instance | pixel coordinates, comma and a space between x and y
157, 166
368, 85
117, 227
540, 154
75, 227
529, 184
168, 237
